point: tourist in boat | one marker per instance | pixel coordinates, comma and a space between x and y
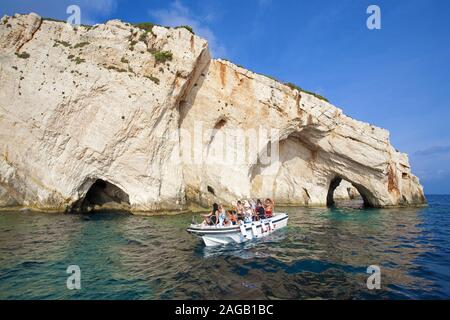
261, 212
252, 204
269, 206
234, 206
212, 217
233, 212
222, 216
248, 213
239, 207
232, 217
240, 210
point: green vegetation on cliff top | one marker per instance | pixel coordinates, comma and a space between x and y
289, 84
162, 56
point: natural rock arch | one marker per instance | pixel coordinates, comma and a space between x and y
103, 195
336, 181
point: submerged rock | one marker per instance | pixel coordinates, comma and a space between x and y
122, 105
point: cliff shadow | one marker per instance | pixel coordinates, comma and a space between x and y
187, 101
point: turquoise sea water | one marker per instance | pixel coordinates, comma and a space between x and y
322, 253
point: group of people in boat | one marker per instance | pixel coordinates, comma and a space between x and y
243, 211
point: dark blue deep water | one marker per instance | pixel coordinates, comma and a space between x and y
322, 254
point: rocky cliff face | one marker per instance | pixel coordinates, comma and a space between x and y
121, 105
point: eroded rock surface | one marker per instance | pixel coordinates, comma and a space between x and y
318, 145
106, 102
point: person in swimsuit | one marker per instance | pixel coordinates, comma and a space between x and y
212, 217
268, 206
261, 212
240, 210
222, 216
232, 217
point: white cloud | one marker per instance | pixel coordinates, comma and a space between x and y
177, 14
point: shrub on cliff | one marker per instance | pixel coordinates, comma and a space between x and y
152, 78
143, 36
52, 19
23, 55
146, 26
189, 28
63, 43
79, 60
294, 86
162, 56
81, 44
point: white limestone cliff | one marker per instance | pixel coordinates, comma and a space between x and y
104, 103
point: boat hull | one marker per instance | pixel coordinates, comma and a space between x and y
214, 236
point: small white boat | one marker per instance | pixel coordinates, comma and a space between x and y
216, 235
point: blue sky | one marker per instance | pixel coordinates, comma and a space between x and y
397, 78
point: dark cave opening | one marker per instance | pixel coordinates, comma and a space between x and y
103, 195
357, 199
